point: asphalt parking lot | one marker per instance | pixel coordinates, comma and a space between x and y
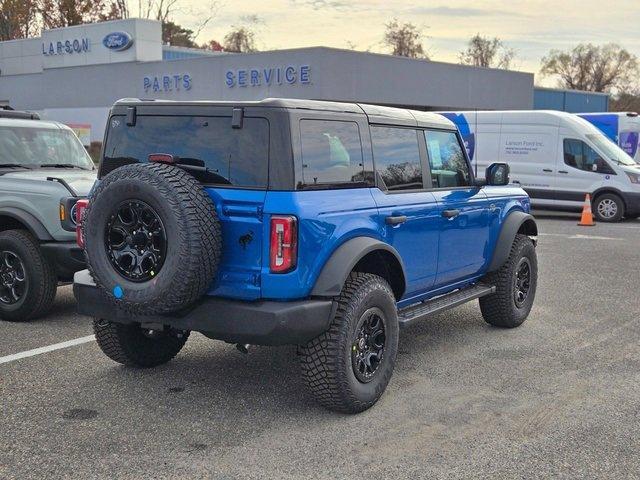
557, 397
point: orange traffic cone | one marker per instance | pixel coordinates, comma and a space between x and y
587, 215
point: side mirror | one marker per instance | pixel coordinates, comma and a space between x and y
497, 174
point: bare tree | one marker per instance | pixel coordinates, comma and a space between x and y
626, 101
487, 52
594, 68
242, 37
18, 19
404, 39
165, 10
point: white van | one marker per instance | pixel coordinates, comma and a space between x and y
556, 157
621, 127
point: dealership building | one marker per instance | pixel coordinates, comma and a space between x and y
75, 74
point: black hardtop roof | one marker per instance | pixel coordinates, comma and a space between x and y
375, 113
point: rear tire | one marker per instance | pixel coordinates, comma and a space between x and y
133, 346
344, 368
516, 282
608, 207
28, 282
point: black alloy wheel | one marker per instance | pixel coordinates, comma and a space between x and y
367, 351
522, 282
13, 278
136, 241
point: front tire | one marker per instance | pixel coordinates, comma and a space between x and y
516, 282
28, 282
348, 367
608, 207
133, 346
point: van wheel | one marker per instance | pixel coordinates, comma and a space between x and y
608, 207
28, 282
515, 283
131, 345
348, 367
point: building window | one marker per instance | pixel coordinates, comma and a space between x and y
449, 168
396, 154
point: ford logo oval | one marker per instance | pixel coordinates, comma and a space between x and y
117, 41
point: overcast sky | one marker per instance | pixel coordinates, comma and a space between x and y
532, 27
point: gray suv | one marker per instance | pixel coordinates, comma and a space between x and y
44, 170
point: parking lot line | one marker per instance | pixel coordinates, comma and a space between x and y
578, 236
48, 348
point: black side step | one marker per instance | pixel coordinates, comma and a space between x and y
411, 314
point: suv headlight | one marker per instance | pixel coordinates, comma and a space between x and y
634, 177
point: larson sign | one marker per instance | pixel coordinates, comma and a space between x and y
77, 45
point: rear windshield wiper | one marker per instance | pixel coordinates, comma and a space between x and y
199, 166
61, 165
14, 165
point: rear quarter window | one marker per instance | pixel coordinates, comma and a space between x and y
331, 155
233, 156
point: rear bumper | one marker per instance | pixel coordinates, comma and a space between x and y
67, 257
632, 202
257, 323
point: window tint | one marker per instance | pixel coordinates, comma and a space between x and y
232, 156
331, 153
396, 154
578, 154
449, 168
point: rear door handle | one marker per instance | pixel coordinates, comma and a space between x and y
397, 220
562, 171
548, 170
450, 213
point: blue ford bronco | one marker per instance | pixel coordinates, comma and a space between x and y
324, 225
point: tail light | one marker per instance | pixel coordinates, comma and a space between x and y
80, 207
162, 158
283, 249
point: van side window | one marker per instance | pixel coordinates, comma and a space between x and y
331, 154
578, 154
396, 154
449, 167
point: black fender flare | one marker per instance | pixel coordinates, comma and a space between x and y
341, 262
510, 228
33, 225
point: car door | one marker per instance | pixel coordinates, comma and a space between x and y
463, 208
408, 213
581, 170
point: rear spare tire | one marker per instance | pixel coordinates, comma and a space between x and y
152, 238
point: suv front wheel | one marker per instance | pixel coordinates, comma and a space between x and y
516, 282
348, 367
27, 280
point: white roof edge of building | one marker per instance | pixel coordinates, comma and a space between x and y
553, 89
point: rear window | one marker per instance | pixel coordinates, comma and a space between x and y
331, 154
233, 157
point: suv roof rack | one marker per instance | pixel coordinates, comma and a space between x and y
7, 112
